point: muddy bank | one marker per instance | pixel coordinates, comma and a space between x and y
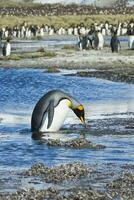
79, 181
114, 126
74, 59
114, 67
111, 66
112, 75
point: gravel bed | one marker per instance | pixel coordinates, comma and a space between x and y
59, 173
120, 187
74, 143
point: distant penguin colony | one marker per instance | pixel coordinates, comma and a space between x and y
52, 109
26, 30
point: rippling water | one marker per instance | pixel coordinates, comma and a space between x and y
53, 44
33, 45
106, 100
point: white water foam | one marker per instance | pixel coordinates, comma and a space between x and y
97, 110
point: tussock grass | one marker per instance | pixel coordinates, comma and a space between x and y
38, 54
20, 3
52, 70
69, 47
41, 49
64, 21
37, 38
127, 52
29, 55
11, 57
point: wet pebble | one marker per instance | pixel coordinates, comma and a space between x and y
75, 143
123, 187
120, 188
87, 195
53, 194
59, 173
31, 194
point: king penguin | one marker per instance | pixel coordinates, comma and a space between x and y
6, 50
52, 109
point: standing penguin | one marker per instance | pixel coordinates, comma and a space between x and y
100, 40
115, 43
51, 111
0, 39
95, 40
6, 50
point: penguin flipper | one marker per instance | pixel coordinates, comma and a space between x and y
40, 110
50, 113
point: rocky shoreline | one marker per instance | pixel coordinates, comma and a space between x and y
74, 174
112, 75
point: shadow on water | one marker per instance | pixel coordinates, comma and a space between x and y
37, 136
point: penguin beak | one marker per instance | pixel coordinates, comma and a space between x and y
79, 111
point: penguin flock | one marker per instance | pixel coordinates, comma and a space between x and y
27, 30
51, 111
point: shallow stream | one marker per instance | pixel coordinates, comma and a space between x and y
109, 109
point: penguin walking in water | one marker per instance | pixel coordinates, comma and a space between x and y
6, 50
51, 111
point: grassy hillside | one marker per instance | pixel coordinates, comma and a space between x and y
64, 21
57, 21
17, 3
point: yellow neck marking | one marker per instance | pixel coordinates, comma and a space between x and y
80, 107
69, 103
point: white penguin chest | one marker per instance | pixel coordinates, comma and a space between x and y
8, 49
60, 114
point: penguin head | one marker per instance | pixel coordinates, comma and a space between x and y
72, 103
78, 109
80, 113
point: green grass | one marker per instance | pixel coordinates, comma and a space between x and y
69, 47
127, 52
64, 21
52, 70
11, 57
41, 49
18, 3
37, 38
30, 55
